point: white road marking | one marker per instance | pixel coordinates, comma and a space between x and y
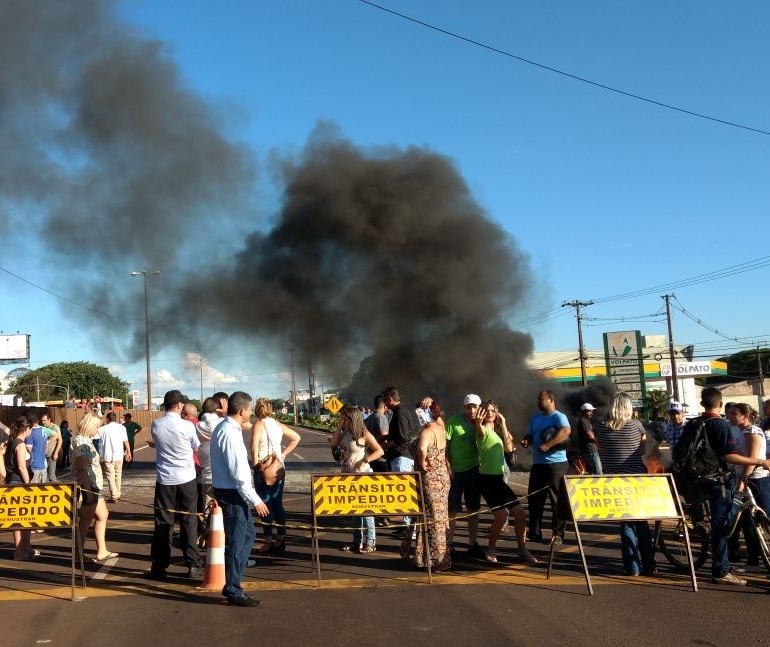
302, 458
102, 572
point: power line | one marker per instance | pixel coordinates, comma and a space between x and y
74, 303
574, 77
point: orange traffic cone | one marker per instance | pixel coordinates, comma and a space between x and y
214, 575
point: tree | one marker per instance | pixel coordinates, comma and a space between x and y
82, 380
657, 402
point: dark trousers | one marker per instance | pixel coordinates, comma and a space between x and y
170, 499
547, 476
131, 447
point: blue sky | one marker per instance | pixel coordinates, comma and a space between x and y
606, 194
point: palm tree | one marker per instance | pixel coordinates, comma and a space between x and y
657, 402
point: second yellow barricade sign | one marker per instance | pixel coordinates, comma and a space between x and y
619, 498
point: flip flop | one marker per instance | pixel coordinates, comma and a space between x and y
101, 560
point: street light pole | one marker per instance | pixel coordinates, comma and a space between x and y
144, 274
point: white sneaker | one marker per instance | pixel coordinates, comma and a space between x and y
729, 578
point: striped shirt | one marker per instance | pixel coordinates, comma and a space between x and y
620, 450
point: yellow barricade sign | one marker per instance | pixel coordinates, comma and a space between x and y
617, 498
36, 506
366, 494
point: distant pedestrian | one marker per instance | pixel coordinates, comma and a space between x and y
114, 449
132, 429
587, 441
66, 439
377, 424
53, 445
37, 448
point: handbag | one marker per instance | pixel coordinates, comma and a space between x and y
272, 469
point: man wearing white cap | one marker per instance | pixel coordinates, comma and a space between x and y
464, 459
672, 432
588, 449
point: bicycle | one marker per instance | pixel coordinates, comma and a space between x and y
698, 519
670, 535
744, 502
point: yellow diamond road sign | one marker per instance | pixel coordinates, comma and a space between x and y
333, 404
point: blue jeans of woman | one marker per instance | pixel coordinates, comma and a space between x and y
636, 547
760, 488
363, 531
272, 495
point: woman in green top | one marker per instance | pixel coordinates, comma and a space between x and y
492, 441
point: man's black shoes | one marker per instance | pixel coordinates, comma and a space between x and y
244, 601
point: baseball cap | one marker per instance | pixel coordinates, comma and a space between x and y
675, 406
587, 407
472, 398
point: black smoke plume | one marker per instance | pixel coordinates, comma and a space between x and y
380, 255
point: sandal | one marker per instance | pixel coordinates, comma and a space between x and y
526, 556
368, 548
101, 560
490, 557
350, 548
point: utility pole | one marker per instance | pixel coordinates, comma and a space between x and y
761, 380
674, 375
37, 382
581, 348
293, 389
144, 274
201, 381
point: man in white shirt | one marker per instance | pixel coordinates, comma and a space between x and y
235, 494
113, 447
176, 492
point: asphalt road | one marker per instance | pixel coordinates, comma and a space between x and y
376, 599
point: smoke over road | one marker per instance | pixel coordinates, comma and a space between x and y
375, 254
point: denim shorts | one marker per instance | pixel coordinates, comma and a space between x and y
465, 485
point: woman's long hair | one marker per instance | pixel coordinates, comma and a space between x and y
620, 412
497, 424
352, 415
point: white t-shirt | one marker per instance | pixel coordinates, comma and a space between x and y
759, 472
111, 438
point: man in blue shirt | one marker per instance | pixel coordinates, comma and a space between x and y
36, 447
547, 431
235, 494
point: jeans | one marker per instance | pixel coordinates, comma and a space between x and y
51, 466
363, 531
547, 475
721, 501
593, 462
168, 499
760, 488
636, 542
239, 538
272, 495
402, 464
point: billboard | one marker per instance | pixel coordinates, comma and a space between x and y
625, 364
14, 349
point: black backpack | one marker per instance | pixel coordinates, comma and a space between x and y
693, 458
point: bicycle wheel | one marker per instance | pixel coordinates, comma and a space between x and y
673, 546
763, 535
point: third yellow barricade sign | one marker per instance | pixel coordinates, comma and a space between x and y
36, 506
618, 498
365, 494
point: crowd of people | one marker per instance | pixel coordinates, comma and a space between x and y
463, 459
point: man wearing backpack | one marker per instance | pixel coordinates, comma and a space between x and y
701, 459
